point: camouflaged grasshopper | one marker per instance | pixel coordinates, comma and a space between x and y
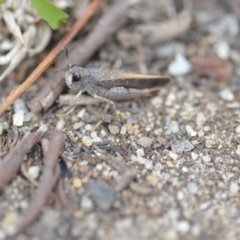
113, 85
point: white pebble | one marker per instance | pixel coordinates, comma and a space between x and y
86, 203
60, 124
173, 155
43, 128
141, 160
18, 118
81, 113
226, 95
206, 158
183, 226
95, 137
222, 49
123, 130
134, 158
34, 171
156, 101
140, 152
179, 66
174, 126
88, 127
148, 164
238, 150
201, 119
190, 131
194, 155
193, 188
234, 187
237, 129
1, 128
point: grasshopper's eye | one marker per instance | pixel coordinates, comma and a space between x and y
76, 78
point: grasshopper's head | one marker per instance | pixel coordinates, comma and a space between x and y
74, 77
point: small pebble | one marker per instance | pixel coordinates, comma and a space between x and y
234, 188
169, 164
152, 179
123, 130
237, 129
77, 182
194, 155
113, 129
182, 146
88, 127
140, 152
145, 142
206, 159
148, 164
183, 226
174, 127
226, 95
222, 49
179, 66
238, 150
86, 203
28, 116
201, 119
60, 124
43, 128
129, 127
34, 172
18, 118
193, 188
87, 141
190, 131
173, 155
81, 113
19, 105
95, 137
1, 129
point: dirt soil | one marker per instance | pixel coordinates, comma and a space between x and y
171, 168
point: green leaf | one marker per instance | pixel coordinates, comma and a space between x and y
2, 1
50, 13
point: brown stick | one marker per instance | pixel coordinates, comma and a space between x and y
15, 94
12, 162
51, 173
109, 23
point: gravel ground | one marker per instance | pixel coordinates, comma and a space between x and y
171, 169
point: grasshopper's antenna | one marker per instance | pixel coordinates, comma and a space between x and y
67, 58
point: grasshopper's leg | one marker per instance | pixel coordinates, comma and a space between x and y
109, 102
78, 95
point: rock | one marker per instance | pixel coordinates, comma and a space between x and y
226, 95
145, 142
173, 155
152, 179
87, 141
18, 118
193, 188
34, 172
190, 131
113, 128
206, 159
101, 193
169, 164
182, 146
179, 66
77, 182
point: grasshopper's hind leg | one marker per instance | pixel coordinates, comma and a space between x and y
110, 103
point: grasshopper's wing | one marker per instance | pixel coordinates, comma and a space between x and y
131, 80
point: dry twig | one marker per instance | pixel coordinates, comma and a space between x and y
52, 145
15, 94
12, 162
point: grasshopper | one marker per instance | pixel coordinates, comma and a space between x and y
112, 85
